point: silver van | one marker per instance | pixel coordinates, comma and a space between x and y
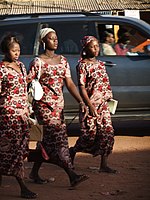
129, 74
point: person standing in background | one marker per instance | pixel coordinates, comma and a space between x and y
107, 44
14, 114
122, 47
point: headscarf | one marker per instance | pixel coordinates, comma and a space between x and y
45, 31
86, 40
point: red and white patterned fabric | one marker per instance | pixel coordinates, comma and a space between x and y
86, 40
97, 135
49, 110
14, 126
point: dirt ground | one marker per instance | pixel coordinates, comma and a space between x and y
131, 157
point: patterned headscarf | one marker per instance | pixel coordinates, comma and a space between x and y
86, 40
45, 31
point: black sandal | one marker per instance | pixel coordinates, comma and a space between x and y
72, 154
108, 170
0, 179
38, 180
78, 180
27, 194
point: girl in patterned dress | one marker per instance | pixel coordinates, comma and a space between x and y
97, 133
14, 125
55, 71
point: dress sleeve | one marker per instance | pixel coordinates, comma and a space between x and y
33, 69
24, 70
108, 92
1, 75
81, 74
68, 72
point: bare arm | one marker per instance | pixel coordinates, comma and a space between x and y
87, 101
75, 93
73, 89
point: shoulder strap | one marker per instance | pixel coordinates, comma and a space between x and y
39, 72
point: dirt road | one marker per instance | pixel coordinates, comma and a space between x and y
131, 157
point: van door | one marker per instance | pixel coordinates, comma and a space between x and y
129, 72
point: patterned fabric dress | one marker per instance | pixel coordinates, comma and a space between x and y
97, 133
49, 110
14, 126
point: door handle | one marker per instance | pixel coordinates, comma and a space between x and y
110, 64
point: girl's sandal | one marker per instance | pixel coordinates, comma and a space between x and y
107, 170
38, 180
79, 179
27, 194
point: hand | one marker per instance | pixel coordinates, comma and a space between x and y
84, 110
110, 99
93, 111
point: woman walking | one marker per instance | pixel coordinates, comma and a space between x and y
14, 125
97, 133
55, 71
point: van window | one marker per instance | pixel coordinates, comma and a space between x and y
69, 35
127, 40
26, 33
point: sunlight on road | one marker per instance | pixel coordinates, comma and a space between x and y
125, 143
122, 143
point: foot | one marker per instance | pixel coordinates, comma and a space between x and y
72, 154
27, 194
38, 180
107, 170
79, 179
0, 179
96, 153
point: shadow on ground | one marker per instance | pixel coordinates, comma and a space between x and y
128, 128
132, 181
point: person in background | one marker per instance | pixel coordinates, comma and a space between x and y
49, 110
107, 43
14, 114
122, 47
69, 46
97, 133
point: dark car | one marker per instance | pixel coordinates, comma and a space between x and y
129, 74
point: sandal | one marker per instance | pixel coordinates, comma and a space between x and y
0, 179
72, 154
27, 194
108, 170
78, 180
38, 180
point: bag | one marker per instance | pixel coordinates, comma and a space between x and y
35, 92
35, 88
36, 132
38, 155
35, 155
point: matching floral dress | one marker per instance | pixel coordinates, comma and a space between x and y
49, 110
14, 126
97, 133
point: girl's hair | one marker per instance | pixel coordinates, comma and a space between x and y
7, 42
84, 43
106, 34
124, 38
